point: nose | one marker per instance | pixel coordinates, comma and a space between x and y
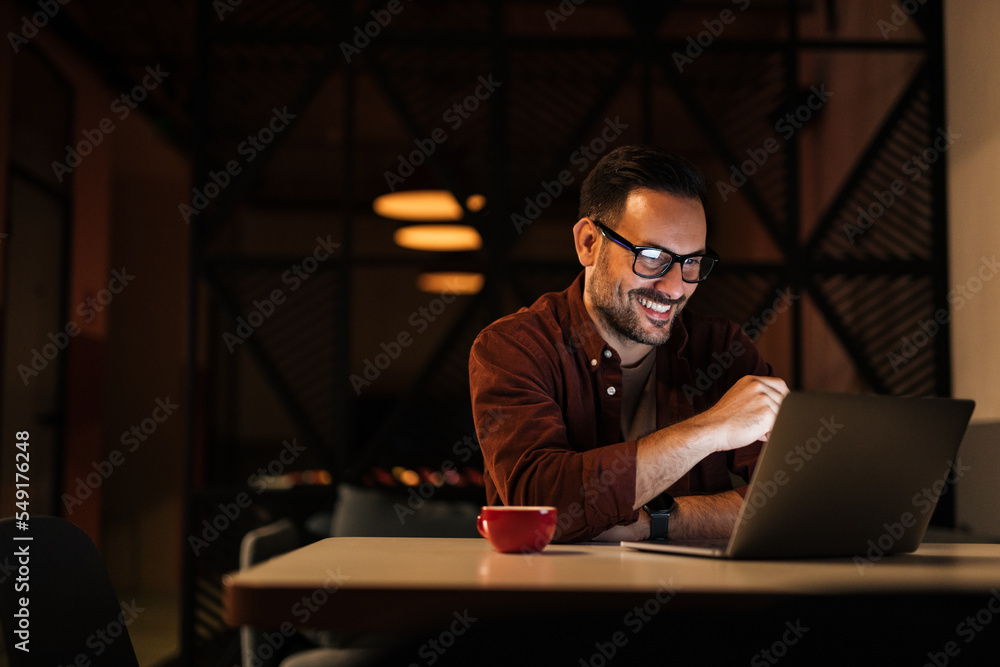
670, 283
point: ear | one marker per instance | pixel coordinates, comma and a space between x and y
586, 236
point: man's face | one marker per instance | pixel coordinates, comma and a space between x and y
643, 310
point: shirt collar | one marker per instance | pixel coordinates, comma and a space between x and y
585, 333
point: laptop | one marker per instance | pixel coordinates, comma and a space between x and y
843, 475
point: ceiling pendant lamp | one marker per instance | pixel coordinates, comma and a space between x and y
450, 282
437, 211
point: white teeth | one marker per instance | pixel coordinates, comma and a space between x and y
656, 307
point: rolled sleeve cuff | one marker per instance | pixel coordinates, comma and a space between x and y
608, 492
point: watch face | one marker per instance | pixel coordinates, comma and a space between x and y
662, 503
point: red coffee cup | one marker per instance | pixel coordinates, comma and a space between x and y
526, 529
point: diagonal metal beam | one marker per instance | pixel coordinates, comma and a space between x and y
439, 163
857, 173
498, 243
702, 119
267, 367
366, 454
861, 361
214, 217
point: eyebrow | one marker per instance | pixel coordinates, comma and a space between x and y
702, 251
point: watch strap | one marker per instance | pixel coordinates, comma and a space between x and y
659, 519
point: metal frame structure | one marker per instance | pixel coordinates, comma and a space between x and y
870, 294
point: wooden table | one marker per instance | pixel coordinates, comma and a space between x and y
412, 586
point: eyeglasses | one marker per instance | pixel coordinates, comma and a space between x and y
653, 262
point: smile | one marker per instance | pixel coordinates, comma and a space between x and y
652, 305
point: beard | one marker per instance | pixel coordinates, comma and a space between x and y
621, 313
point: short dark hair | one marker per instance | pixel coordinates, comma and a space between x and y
627, 168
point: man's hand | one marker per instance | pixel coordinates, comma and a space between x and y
745, 413
742, 416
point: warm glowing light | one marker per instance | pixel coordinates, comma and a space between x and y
451, 282
442, 238
409, 478
434, 477
419, 206
475, 203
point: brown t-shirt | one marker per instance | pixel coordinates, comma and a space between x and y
546, 397
639, 398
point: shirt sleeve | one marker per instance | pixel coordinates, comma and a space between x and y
517, 386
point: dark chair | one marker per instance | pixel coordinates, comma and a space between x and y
257, 546
359, 512
72, 607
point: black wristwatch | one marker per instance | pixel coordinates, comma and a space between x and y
659, 520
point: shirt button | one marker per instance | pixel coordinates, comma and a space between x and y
607, 354
611, 391
593, 362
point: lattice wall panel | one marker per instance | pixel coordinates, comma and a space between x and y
889, 206
743, 96
298, 341
881, 315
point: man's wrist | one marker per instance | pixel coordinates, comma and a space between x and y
703, 434
659, 518
642, 526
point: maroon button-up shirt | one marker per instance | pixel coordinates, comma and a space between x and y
546, 397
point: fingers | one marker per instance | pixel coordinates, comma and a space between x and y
751, 409
774, 388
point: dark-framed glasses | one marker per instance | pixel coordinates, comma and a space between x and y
653, 262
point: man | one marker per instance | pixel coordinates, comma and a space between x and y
596, 384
